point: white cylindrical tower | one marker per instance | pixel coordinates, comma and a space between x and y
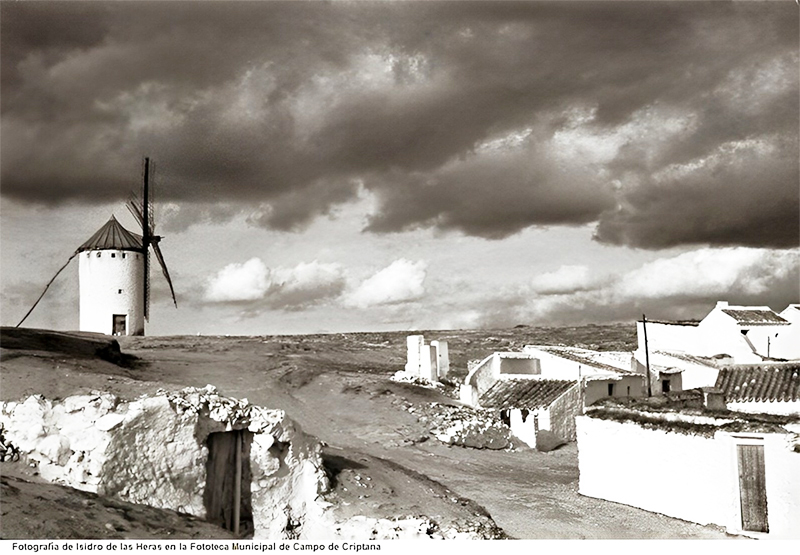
111, 276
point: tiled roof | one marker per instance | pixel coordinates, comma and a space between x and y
112, 236
522, 393
754, 317
760, 383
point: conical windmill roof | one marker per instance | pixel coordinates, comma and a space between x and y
112, 236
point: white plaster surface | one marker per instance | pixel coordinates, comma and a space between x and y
768, 407
101, 279
691, 477
414, 345
442, 358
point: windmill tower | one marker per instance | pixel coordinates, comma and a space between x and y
111, 277
114, 272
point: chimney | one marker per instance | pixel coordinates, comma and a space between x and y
714, 399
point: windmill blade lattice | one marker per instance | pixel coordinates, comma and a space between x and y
160, 257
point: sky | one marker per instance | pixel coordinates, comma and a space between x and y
357, 166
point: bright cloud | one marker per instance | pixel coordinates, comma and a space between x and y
709, 273
399, 282
281, 288
682, 286
567, 279
239, 282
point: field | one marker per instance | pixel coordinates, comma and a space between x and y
379, 452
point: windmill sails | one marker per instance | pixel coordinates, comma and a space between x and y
147, 222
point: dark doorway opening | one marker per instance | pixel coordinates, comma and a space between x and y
227, 496
119, 324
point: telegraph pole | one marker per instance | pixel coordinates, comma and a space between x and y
647, 356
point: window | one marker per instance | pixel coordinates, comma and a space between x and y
629, 391
611, 390
113, 255
123, 255
119, 291
98, 255
88, 254
665, 386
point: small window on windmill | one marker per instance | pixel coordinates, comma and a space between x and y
113, 255
98, 254
119, 291
123, 255
88, 254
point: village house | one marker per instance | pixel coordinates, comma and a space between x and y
766, 388
746, 334
736, 470
545, 387
676, 371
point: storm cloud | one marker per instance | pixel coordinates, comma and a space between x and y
667, 123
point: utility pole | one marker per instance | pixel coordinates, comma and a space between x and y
647, 356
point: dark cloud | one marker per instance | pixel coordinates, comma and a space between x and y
449, 112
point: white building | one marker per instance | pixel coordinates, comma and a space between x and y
676, 371
111, 276
787, 343
545, 387
740, 472
745, 334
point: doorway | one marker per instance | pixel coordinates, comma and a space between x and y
227, 496
119, 324
752, 487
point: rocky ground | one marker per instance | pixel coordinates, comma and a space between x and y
381, 452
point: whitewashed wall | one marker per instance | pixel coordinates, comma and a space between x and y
666, 337
442, 358
787, 344
769, 407
153, 451
624, 386
101, 280
690, 477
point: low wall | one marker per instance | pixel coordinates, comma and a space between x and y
684, 475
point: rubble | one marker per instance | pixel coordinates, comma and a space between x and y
467, 427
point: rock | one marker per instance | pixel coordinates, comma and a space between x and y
109, 422
548, 441
55, 448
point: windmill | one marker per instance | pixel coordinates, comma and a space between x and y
114, 271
